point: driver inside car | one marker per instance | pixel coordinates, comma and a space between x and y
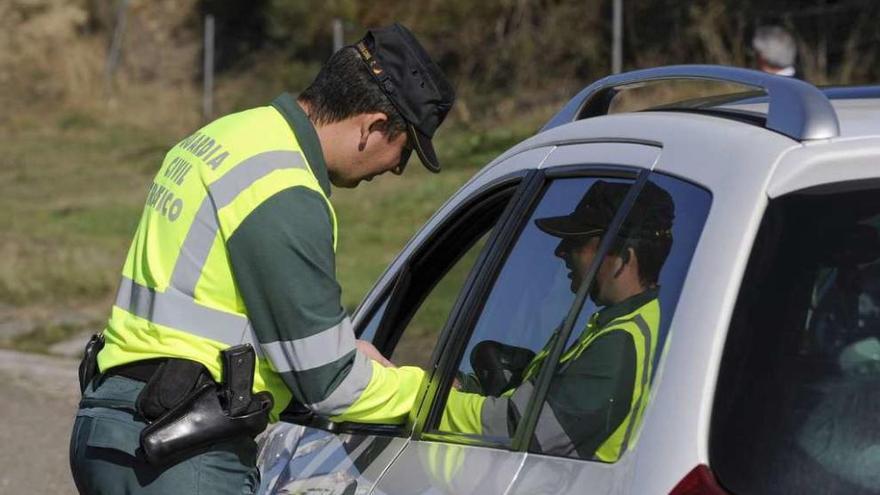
600, 389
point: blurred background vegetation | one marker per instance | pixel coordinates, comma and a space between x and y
85, 127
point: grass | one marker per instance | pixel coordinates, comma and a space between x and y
73, 191
72, 187
42, 337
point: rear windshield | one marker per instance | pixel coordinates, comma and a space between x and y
797, 409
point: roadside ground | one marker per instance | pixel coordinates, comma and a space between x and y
40, 395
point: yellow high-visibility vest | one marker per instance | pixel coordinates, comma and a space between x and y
178, 297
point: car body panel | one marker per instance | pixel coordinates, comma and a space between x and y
433, 467
548, 475
840, 161
599, 153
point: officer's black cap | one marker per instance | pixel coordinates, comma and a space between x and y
651, 215
412, 81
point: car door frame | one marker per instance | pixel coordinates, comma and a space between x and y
559, 164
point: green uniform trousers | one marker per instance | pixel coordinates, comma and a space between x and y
104, 457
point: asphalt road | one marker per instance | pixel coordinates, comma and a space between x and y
38, 397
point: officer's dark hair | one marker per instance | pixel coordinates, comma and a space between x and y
345, 88
650, 252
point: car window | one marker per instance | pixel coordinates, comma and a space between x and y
797, 395
371, 325
408, 320
417, 341
599, 390
525, 306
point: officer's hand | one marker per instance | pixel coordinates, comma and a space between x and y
371, 352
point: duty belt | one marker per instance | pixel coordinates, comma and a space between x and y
141, 371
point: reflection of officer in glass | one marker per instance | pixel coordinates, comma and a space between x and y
601, 387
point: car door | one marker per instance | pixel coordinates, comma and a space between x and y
519, 298
403, 317
547, 471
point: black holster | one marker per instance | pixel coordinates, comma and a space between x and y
210, 413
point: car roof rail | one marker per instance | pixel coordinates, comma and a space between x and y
851, 92
796, 109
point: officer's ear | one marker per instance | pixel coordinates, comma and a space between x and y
371, 123
623, 260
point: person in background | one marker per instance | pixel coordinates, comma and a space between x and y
775, 51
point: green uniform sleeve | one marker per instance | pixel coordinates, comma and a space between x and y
284, 266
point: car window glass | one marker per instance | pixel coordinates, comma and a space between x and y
526, 304
406, 323
600, 388
417, 342
679, 93
370, 327
796, 403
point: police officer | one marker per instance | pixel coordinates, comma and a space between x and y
600, 389
236, 246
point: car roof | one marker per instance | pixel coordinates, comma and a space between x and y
858, 117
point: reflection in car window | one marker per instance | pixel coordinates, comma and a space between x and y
797, 400
600, 389
532, 294
526, 305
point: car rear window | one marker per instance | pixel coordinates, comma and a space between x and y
798, 397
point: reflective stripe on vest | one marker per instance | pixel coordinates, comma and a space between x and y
203, 231
177, 310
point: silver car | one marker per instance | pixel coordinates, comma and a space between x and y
766, 367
